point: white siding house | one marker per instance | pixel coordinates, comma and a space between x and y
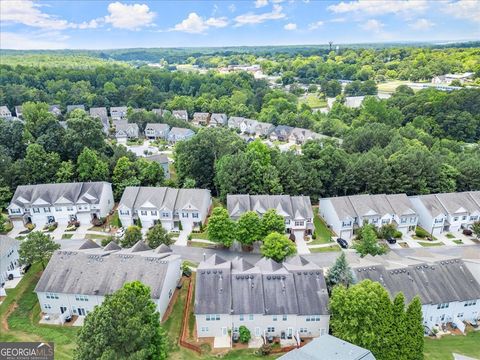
46, 203
157, 131
269, 298
74, 282
9, 260
170, 207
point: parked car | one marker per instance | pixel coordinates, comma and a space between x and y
343, 243
391, 240
467, 232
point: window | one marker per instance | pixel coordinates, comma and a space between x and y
143, 212
58, 209
204, 329
303, 330
170, 293
81, 297
299, 223
345, 224
217, 317
165, 214
270, 329
460, 315
153, 212
284, 318
274, 317
241, 318
51, 296
36, 210
250, 317
403, 220
47, 209
455, 218
185, 215
470, 303
374, 221
195, 215
69, 208
124, 212
287, 221
438, 221
207, 317
442, 306
464, 217
412, 219
47, 306
386, 221
15, 211
474, 218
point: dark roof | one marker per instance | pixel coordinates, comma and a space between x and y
89, 244
112, 245
268, 287
435, 283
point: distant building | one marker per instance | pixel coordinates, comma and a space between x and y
218, 120
55, 110
118, 113
101, 113
157, 131
448, 78
328, 347
125, 130
201, 119
179, 134
5, 113
281, 133
180, 114
163, 161
74, 282
18, 111
9, 260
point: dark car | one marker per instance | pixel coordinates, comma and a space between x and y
391, 240
467, 232
343, 243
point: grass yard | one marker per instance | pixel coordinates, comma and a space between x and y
458, 242
430, 244
67, 236
201, 235
313, 101
450, 236
199, 244
390, 86
325, 249
96, 236
322, 232
115, 220
441, 349
20, 313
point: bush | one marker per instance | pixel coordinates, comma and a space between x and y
245, 335
422, 233
30, 226
98, 221
264, 350
314, 235
108, 240
397, 234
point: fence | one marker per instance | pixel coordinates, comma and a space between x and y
186, 312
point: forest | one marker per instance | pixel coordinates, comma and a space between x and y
414, 142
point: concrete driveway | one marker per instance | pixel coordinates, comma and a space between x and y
302, 247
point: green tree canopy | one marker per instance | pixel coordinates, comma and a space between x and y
157, 235
277, 247
272, 222
125, 326
133, 234
221, 228
37, 247
367, 242
249, 229
340, 273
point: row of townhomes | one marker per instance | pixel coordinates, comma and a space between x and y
296, 210
61, 203
75, 281
9, 261
436, 213
175, 209
448, 287
153, 131
269, 298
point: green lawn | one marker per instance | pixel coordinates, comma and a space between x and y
23, 321
325, 249
441, 349
390, 86
201, 235
201, 244
67, 236
313, 101
323, 233
115, 220
96, 236
450, 236
430, 244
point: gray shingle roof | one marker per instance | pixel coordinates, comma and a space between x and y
327, 347
180, 114
99, 272
180, 132
100, 112
458, 202
89, 244
157, 127
295, 207
7, 243
220, 119
435, 283
159, 158
62, 193
268, 287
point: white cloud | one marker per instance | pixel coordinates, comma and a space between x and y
338, 20
92, 24
379, 7
315, 25
290, 26
373, 26
195, 24
232, 8
131, 17
252, 18
421, 24
31, 41
28, 13
464, 9
261, 3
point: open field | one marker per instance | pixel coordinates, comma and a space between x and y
442, 349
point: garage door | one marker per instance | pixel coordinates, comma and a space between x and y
346, 234
437, 230
84, 218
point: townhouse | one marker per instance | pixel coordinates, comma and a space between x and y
201, 119
163, 161
175, 209
250, 127
264, 129
218, 119
18, 111
74, 282
179, 134
101, 114
9, 260
180, 115
125, 130
281, 133
118, 113
160, 112
448, 290
345, 214
48, 203
5, 113
288, 300
157, 131
447, 212
296, 210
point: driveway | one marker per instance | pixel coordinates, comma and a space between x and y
302, 247
183, 236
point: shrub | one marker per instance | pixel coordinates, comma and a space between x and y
30, 226
314, 235
397, 234
265, 350
422, 233
245, 335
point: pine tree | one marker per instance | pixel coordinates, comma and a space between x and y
339, 273
399, 348
414, 330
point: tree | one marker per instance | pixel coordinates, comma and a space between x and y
133, 234
189, 183
5, 197
272, 222
362, 315
83, 131
90, 167
339, 274
277, 247
157, 235
476, 229
125, 326
150, 173
221, 228
244, 333
248, 229
386, 231
38, 167
3, 221
414, 332
65, 172
367, 242
124, 175
37, 247
399, 328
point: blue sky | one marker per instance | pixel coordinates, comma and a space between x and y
121, 24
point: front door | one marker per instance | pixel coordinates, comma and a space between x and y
257, 331
63, 309
289, 333
224, 331
81, 312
